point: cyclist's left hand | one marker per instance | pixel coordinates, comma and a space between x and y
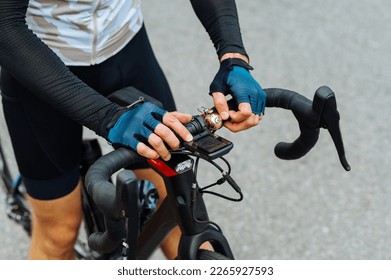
234, 78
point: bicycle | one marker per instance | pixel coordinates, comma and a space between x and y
127, 223
184, 205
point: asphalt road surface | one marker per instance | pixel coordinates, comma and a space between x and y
309, 208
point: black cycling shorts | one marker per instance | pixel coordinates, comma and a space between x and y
47, 144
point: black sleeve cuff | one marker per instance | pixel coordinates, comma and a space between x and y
220, 19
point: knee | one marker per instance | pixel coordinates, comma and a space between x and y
57, 237
54, 233
63, 236
55, 226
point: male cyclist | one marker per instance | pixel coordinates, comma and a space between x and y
61, 58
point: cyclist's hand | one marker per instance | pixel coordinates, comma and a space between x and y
234, 78
146, 129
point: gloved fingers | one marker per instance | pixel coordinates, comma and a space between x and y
145, 151
242, 95
253, 120
173, 121
259, 108
246, 89
260, 105
167, 135
256, 101
244, 112
183, 118
153, 122
153, 135
158, 145
220, 103
152, 145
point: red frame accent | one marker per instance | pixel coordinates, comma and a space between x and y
162, 167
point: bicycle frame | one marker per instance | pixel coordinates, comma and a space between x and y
5, 172
16, 205
176, 209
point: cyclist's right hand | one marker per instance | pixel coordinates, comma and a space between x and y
146, 128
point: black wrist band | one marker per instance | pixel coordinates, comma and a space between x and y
230, 62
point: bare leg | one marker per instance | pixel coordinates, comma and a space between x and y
55, 225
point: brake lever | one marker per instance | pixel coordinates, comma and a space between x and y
325, 106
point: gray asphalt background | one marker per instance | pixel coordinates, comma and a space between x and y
305, 209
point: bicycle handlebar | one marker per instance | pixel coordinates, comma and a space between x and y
106, 197
321, 112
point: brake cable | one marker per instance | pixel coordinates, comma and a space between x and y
196, 188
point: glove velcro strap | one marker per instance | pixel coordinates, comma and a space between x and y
230, 62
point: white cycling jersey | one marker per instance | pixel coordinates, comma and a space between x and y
85, 32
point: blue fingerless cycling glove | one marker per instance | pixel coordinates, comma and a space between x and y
234, 78
136, 125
